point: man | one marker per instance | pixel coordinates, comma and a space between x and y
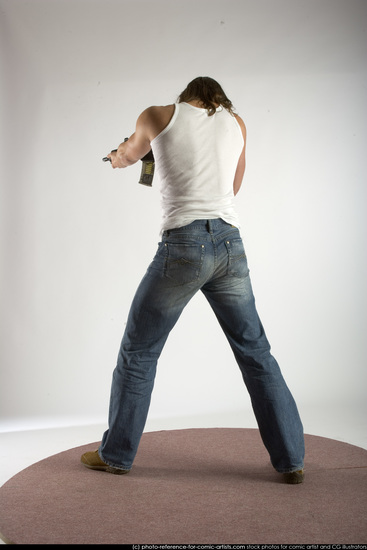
199, 150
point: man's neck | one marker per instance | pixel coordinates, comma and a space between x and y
198, 103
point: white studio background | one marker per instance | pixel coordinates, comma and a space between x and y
76, 236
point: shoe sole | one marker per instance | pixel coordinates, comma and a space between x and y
108, 469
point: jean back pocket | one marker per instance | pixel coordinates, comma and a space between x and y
237, 261
184, 262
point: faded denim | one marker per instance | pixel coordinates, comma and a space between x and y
207, 255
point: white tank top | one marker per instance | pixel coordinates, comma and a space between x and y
196, 158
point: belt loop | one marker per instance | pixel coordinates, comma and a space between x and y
209, 226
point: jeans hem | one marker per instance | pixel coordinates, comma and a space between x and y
112, 464
290, 470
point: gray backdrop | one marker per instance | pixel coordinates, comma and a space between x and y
76, 236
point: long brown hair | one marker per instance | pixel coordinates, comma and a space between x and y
209, 92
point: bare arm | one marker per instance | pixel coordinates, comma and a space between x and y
240, 170
149, 124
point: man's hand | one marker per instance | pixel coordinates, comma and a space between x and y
116, 156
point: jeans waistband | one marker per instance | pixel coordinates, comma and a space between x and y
205, 225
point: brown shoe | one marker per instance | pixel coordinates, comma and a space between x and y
294, 477
92, 460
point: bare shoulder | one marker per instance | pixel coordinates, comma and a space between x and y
156, 118
157, 110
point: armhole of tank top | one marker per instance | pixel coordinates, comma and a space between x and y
169, 125
239, 128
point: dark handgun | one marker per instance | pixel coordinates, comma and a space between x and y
147, 169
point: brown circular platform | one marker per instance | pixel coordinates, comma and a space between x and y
191, 486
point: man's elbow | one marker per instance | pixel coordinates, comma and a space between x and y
237, 183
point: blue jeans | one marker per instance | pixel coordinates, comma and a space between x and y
207, 255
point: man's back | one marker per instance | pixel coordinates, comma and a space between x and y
196, 160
